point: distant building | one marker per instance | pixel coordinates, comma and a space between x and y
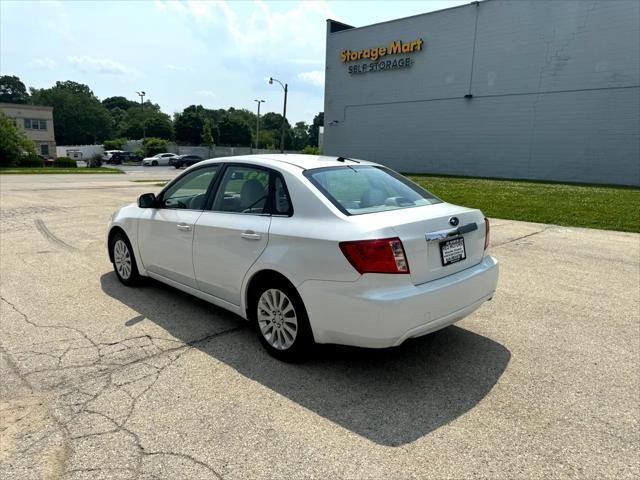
545, 90
37, 123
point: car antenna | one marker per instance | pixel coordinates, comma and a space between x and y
342, 159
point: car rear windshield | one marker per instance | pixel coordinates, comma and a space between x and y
360, 189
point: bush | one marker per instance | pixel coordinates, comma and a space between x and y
13, 143
64, 162
311, 150
115, 144
95, 161
154, 145
30, 160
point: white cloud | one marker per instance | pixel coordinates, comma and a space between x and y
97, 65
178, 68
206, 93
263, 32
44, 63
314, 77
52, 3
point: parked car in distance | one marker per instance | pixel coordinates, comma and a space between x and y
185, 160
108, 153
310, 249
119, 157
159, 159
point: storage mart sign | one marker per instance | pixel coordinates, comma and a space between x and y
378, 64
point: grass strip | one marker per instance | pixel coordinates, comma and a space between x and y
592, 206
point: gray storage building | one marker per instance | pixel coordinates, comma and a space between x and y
500, 88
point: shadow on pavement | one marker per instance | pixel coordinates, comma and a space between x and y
391, 397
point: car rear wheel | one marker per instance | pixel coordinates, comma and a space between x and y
124, 262
281, 320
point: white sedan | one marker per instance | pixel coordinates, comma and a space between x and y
159, 159
310, 249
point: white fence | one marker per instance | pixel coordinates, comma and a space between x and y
87, 151
134, 145
215, 151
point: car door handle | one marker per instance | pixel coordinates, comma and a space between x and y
250, 235
184, 227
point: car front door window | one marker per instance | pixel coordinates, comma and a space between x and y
190, 192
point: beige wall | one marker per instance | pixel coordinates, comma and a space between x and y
19, 113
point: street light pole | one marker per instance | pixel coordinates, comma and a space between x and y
258, 123
144, 133
284, 110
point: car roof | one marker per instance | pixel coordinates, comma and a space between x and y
284, 160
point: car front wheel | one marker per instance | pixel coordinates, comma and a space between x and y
154, 163
281, 320
124, 261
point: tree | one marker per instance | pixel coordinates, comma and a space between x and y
76, 88
300, 136
117, 114
118, 107
314, 129
207, 133
155, 123
118, 102
273, 122
153, 145
78, 116
13, 142
234, 132
12, 90
268, 139
189, 126
115, 144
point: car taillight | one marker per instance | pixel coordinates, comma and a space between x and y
487, 233
376, 256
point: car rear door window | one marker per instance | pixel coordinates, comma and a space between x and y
281, 201
190, 192
243, 189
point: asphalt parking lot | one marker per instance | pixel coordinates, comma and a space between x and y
104, 381
138, 169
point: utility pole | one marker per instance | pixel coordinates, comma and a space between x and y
285, 87
142, 94
258, 123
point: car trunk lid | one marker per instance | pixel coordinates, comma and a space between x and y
425, 231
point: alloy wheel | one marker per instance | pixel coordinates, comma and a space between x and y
277, 319
122, 259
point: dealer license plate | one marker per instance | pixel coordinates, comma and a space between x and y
452, 251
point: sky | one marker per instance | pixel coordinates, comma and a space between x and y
218, 54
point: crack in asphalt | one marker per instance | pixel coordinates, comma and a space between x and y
89, 394
520, 238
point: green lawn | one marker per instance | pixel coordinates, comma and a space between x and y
51, 170
592, 206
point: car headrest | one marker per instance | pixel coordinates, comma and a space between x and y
251, 192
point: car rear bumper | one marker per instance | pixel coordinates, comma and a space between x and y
379, 311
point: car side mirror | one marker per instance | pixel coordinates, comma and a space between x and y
147, 200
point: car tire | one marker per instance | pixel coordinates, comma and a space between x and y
177, 165
280, 319
124, 260
154, 163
